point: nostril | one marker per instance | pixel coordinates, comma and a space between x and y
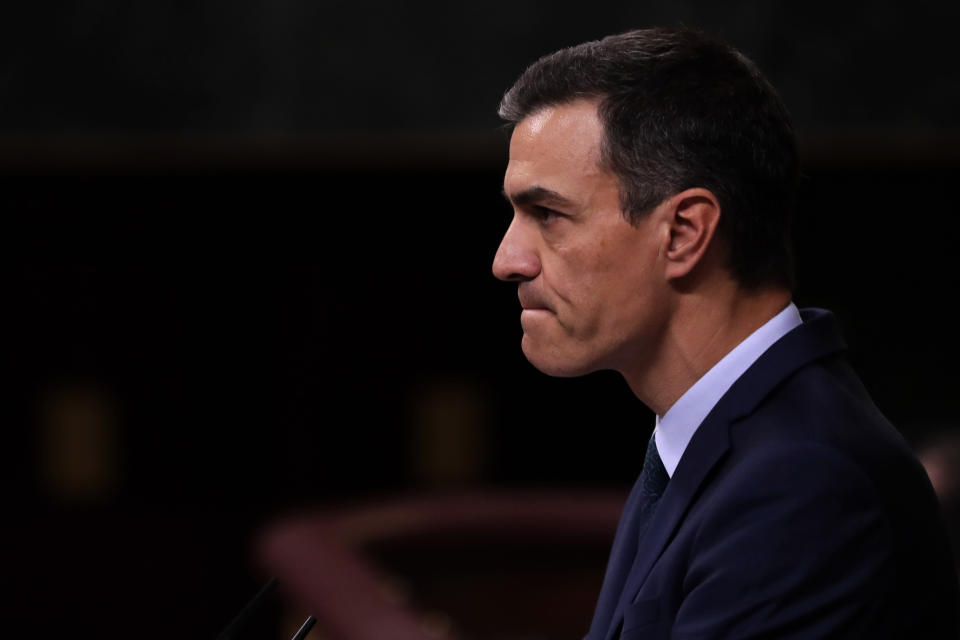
517, 277
516, 259
514, 268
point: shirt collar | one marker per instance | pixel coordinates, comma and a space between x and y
676, 427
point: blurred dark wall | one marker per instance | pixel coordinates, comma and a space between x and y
248, 269
295, 66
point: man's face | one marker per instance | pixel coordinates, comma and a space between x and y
590, 283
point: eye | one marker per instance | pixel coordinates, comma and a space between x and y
544, 214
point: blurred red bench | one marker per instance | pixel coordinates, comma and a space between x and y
453, 565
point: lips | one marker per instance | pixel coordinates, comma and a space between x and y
530, 300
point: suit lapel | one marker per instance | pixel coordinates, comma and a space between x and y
816, 338
673, 505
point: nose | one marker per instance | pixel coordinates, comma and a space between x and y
516, 259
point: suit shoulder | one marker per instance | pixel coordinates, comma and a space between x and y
790, 473
824, 405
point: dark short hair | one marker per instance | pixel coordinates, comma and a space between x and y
680, 110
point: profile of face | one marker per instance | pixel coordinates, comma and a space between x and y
591, 285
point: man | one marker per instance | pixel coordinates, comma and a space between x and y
652, 177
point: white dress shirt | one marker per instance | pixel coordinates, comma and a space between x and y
677, 426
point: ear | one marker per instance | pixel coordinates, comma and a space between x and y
693, 216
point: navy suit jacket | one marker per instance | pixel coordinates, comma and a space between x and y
796, 511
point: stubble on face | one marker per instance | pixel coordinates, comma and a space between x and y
585, 270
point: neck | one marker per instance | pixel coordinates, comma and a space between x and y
699, 333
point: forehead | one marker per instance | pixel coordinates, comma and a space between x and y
557, 147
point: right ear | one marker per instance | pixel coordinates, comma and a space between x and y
692, 217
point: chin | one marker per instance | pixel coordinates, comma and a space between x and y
554, 362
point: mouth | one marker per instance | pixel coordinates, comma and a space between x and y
531, 302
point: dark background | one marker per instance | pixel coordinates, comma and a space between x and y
247, 265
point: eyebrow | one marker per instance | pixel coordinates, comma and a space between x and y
537, 195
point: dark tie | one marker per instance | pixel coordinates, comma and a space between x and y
653, 482
636, 517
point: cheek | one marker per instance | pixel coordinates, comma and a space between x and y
572, 281
618, 291
588, 301
598, 275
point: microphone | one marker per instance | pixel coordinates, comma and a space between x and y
305, 629
241, 620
